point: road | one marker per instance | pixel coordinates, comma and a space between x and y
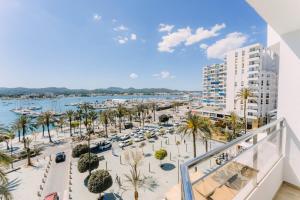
57, 180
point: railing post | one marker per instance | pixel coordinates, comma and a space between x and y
255, 156
282, 129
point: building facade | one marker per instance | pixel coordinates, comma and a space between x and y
253, 67
214, 86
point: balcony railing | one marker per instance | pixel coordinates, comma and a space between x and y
236, 168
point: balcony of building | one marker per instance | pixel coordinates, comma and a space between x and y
239, 169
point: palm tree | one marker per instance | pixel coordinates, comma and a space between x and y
61, 122
11, 135
86, 108
48, 116
134, 160
28, 150
141, 112
41, 123
70, 114
153, 107
234, 123
16, 126
26, 125
244, 94
79, 114
93, 117
197, 127
104, 119
120, 112
5, 186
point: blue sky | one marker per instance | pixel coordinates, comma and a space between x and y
132, 43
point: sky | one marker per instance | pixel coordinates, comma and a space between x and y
120, 43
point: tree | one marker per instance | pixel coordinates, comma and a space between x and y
163, 118
136, 180
26, 125
142, 145
70, 114
197, 127
48, 116
153, 107
105, 119
234, 124
244, 94
61, 122
161, 154
16, 127
5, 186
41, 123
99, 181
120, 112
28, 150
86, 108
79, 114
79, 149
87, 164
93, 115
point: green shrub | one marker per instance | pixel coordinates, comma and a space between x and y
99, 181
83, 162
79, 149
163, 118
161, 154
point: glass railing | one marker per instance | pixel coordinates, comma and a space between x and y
236, 168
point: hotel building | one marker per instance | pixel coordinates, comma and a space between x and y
214, 85
253, 67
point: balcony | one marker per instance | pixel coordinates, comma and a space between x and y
236, 169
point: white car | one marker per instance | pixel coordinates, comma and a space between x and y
139, 139
125, 143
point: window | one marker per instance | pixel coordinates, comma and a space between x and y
242, 71
235, 84
242, 83
267, 101
236, 54
262, 83
235, 72
261, 102
261, 95
267, 95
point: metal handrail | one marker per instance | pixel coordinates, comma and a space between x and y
186, 183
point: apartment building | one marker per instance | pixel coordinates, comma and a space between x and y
214, 86
253, 67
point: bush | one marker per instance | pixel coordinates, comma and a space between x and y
163, 118
161, 154
79, 150
99, 181
83, 162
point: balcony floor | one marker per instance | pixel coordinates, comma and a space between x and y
287, 192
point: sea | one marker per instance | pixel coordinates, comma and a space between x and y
7, 117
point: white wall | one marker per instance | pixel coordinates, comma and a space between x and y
289, 99
267, 188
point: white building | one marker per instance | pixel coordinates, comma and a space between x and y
274, 149
214, 85
253, 67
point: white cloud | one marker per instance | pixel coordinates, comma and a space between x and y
133, 76
121, 28
133, 36
230, 42
164, 75
203, 46
165, 28
97, 17
185, 35
122, 40
202, 33
173, 39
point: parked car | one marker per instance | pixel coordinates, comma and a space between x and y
52, 196
104, 145
114, 138
60, 157
139, 139
125, 143
125, 137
